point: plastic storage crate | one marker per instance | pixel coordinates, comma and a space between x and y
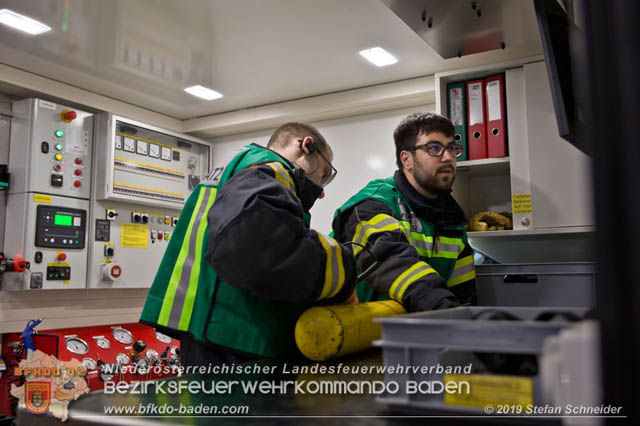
453, 337
536, 284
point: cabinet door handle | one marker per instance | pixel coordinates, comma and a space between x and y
520, 278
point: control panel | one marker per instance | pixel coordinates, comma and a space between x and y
145, 164
60, 227
142, 178
51, 149
51, 232
128, 243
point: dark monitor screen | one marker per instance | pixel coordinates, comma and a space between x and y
562, 42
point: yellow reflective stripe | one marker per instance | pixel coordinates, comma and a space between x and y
413, 279
401, 277
464, 262
334, 276
185, 317
410, 275
463, 271
379, 223
280, 173
462, 278
279, 176
285, 174
167, 303
341, 273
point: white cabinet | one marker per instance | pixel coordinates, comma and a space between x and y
541, 166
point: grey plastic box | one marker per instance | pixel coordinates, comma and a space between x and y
451, 337
537, 284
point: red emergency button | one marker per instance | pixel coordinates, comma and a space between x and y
62, 256
78, 172
78, 161
116, 271
68, 116
77, 184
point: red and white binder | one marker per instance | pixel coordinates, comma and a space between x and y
496, 116
476, 119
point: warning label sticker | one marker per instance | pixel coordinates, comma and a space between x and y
135, 236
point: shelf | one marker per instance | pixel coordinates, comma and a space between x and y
484, 167
536, 233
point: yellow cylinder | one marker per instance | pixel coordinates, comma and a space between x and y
326, 332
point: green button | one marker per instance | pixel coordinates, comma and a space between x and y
59, 147
77, 242
59, 133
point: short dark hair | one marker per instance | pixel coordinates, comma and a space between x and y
281, 136
407, 132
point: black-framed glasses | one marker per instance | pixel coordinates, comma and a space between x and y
436, 149
334, 171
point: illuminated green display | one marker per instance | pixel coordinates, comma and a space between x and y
63, 220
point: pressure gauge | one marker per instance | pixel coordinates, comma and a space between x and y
77, 346
129, 145
122, 359
142, 147
102, 342
154, 150
165, 153
153, 356
142, 366
123, 336
163, 338
108, 371
89, 363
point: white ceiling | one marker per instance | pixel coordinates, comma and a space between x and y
255, 52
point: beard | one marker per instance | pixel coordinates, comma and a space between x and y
434, 183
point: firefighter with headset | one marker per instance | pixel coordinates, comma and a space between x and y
243, 263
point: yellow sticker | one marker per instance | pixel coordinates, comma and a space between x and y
135, 236
39, 198
492, 390
521, 203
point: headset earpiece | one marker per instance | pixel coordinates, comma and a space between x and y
311, 146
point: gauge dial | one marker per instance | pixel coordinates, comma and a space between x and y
129, 145
103, 343
166, 153
142, 367
154, 150
89, 363
163, 338
122, 359
142, 147
108, 371
123, 336
118, 142
77, 346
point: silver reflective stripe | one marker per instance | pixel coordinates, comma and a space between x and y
381, 224
183, 286
409, 277
461, 271
450, 247
422, 244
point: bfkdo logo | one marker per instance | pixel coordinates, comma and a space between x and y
38, 396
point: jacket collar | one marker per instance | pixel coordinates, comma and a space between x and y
442, 210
